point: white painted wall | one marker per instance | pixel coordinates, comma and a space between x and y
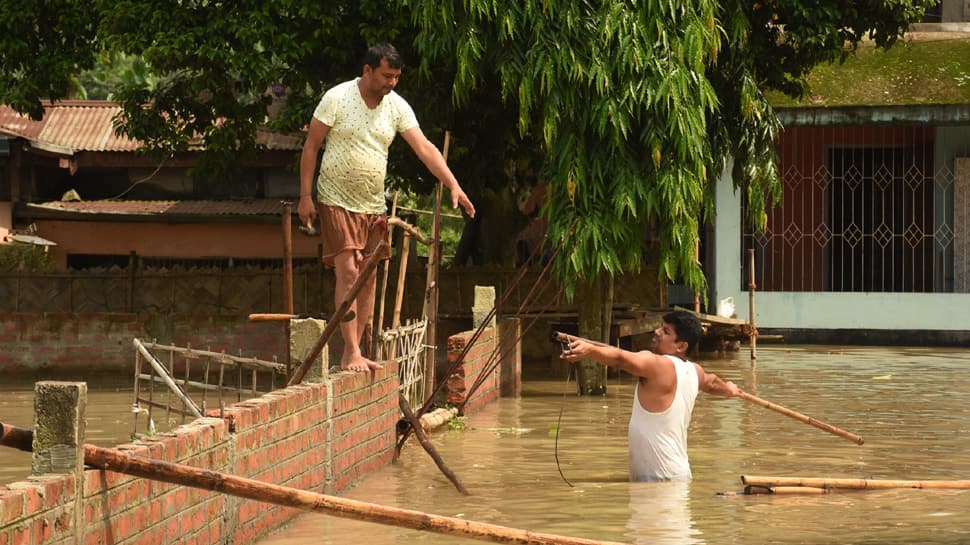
821, 310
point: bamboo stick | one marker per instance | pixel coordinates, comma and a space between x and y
753, 338
823, 482
428, 447
167, 379
754, 490
206, 479
338, 314
387, 267
804, 418
409, 229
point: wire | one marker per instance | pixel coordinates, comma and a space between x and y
562, 405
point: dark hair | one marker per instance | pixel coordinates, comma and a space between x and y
687, 326
380, 51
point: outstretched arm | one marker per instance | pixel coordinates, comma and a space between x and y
709, 383
429, 155
642, 364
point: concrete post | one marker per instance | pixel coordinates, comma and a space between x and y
58, 445
59, 409
484, 302
304, 333
510, 350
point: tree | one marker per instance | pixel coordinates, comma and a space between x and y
627, 111
639, 106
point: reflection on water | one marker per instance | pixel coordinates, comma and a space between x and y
912, 406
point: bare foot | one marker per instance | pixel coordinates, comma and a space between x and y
358, 364
374, 365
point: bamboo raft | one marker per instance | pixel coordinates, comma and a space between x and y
759, 484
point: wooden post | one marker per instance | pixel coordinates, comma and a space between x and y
377, 325
753, 338
431, 290
287, 277
697, 256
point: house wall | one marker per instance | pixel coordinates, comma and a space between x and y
914, 313
172, 240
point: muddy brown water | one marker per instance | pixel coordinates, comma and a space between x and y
911, 405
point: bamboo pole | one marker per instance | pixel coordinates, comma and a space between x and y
410, 229
431, 286
754, 490
804, 418
753, 338
338, 314
166, 378
379, 325
206, 479
287, 278
855, 484
428, 447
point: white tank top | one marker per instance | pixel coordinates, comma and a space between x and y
658, 441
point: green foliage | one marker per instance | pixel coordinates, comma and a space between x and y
25, 258
627, 111
451, 228
45, 44
639, 105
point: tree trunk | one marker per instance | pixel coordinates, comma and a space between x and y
595, 300
479, 243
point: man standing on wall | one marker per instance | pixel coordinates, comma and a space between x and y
359, 119
663, 399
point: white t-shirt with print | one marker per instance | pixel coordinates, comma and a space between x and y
354, 162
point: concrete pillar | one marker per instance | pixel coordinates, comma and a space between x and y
59, 409
304, 334
484, 302
510, 350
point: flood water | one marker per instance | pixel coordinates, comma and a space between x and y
911, 405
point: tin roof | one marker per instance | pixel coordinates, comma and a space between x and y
87, 125
254, 207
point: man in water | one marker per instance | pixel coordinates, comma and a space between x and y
667, 385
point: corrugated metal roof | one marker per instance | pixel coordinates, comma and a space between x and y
256, 207
87, 125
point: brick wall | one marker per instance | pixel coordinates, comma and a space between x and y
319, 437
73, 342
484, 354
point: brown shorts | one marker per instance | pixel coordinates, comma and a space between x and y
342, 230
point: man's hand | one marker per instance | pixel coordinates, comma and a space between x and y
458, 197
576, 349
307, 210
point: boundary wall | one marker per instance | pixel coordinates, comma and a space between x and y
322, 437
